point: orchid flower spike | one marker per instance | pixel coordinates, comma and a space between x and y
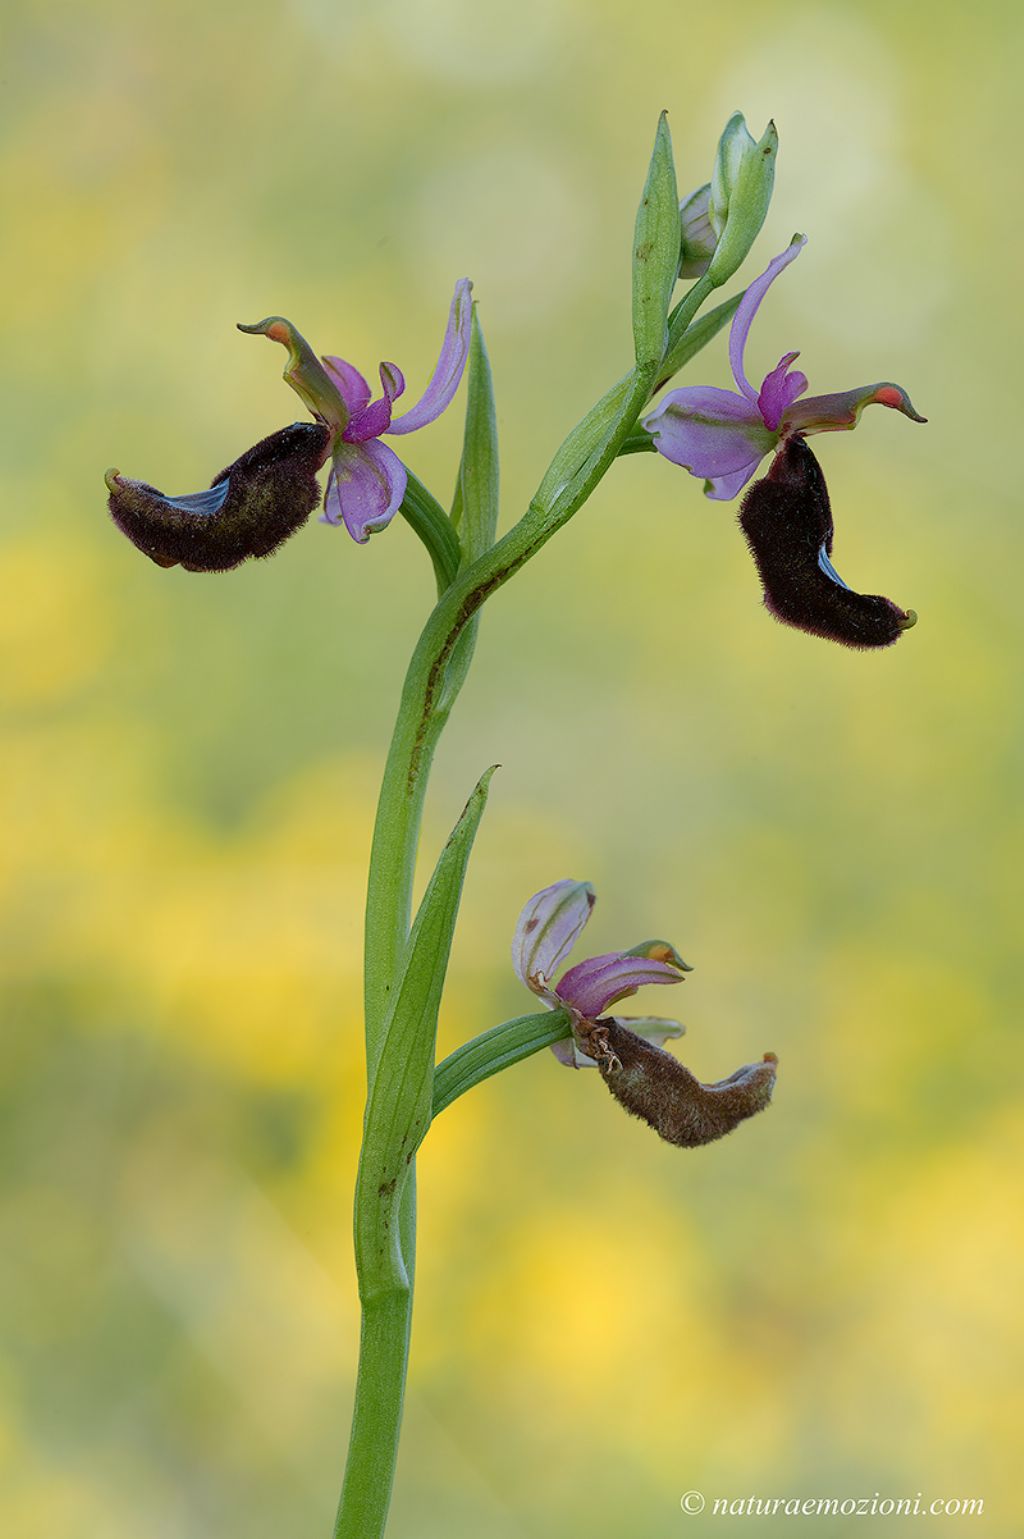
627, 1050
723, 435
367, 480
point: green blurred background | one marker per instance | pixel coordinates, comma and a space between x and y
827, 1303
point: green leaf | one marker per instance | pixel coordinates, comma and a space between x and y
408, 1036
685, 342
655, 251
495, 1050
586, 441
475, 506
425, 515
475, 509
398, 1108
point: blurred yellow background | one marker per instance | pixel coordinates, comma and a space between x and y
827, 1303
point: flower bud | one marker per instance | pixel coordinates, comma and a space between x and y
654, 1086
250, 509
698, 242
741, 190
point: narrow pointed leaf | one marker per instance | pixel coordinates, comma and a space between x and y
475, 511
398, 1108
495, 1050
586, 441
475, 507
425, 515
655, 251
685, 342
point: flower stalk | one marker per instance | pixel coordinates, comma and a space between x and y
385, 1226
266, 494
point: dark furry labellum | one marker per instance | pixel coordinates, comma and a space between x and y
656, 1087
250, 509
787, 521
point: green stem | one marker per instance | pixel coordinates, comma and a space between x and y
376, 1416
426, 516
426, 702
384, 1250
684, 312
637, 443
686, 337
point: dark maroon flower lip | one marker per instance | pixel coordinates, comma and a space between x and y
786, 518
250, 509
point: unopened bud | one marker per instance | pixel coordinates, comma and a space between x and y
698, 237
741, 190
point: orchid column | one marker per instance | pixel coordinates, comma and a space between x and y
268, 493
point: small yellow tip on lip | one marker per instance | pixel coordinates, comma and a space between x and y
113, 479
273, 327
909, 620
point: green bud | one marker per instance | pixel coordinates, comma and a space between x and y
741, 190
655, 252
699, 239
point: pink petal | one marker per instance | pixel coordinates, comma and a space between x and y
779, 390
365, 488
591, 986
351, 385
375, 419
547, 930
450, 365
748, 308
725, 488
714, 434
